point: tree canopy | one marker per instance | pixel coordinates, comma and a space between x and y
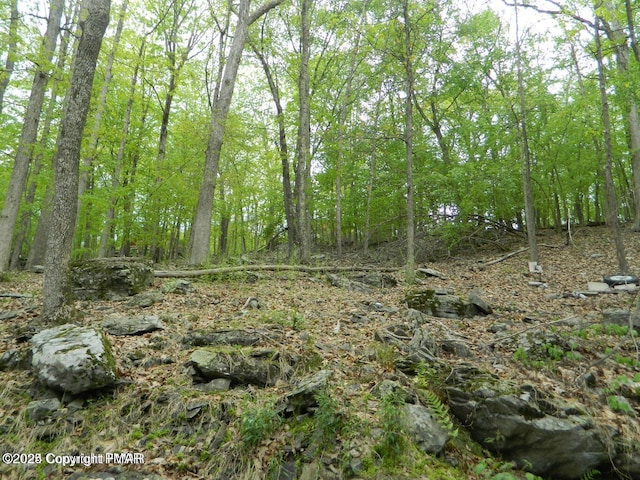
163, 77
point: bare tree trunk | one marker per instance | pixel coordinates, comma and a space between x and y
303, 144
38, 245
200, 240
10, 61
530, 216
20, 172
97, 119
56, 282
611, 203
408, 138
283, 150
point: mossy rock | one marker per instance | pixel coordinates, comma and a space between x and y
440, 303
109, 278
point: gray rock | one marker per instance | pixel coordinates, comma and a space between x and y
120, 325
241, 367
109, 278
221, 337
424, 429
145, 299
374, 279
41, 409
618, 316
303, 397
542, 436
73, 359
15, 360
441, 304
179, 286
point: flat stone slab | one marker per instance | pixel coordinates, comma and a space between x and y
119, 325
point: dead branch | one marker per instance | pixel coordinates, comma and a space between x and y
15, 295
275, 268
508, 255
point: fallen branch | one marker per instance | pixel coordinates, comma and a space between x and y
517, 252
15, 295
275, 268
508, 255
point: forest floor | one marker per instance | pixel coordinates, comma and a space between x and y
316, 323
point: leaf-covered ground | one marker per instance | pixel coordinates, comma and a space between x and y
185, 432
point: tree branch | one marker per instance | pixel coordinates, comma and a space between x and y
264, 9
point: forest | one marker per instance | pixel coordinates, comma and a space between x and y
219, 128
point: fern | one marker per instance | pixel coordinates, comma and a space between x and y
441, 412
590, 475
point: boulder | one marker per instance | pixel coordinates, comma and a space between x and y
123, 325
441, 303
536, 431
73, 359
424, 429
241, 367
109, 278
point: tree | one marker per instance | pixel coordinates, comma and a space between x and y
200, 240
611, 202
56, 283
12, 43
530, 216
29, 133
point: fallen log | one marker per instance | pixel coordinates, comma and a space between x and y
275, 268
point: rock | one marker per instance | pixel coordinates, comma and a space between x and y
40, 409
341, 282
617, 316
73, 359
430, 272
216, 385
442, 304
15, 360
545, 437
303, 397
145, 299
120, 325
478, 302
424, 429
374, 279
109, 278
391, 388
201, 338
179, 286
241, 367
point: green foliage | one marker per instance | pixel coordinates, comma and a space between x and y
257, 423
391, 445
441, 412
329, 420
491, 469
619, 404
590, 475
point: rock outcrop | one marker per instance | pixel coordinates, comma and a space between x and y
536, 431
110, 278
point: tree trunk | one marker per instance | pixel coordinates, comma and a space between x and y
408, 138
200, 240
303, 144
11, 52
530, 216
56, 282
283, 150
20, 172
611, 203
